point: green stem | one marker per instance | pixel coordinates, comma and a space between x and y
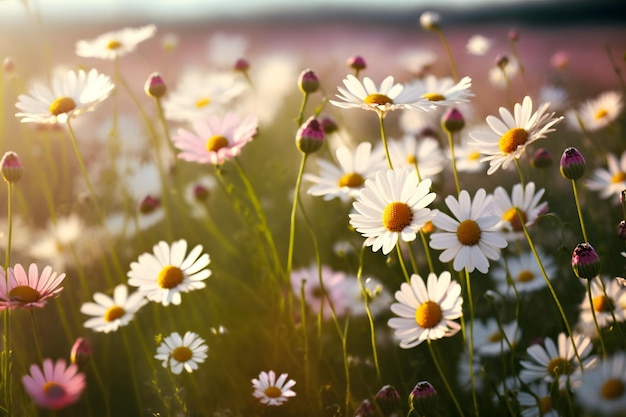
519, 172
302, 107
294, 208
35, 336
429, 258
402, 265
454, 170
370, 318
446, 46
470, 340
383, 135
580, 213
7, 353
433, 354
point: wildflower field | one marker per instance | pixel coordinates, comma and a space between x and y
312, 219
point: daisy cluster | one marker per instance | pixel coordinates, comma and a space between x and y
246, 236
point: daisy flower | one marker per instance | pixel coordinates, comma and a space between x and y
478, 45
424, 154
613, 303
551, 363
162, 275
598, 113
54, 386
346, 180
28, 290
467, 158
489, 339
497, 79
603, 389
426, 310
472, 238
443, 91
387, 97
72, 94
215, 139
112, 45
335, 284
392, 206
182, 352
523, 271
537, 402
513, 133
110, 313
609, 181
272, 391
523, 199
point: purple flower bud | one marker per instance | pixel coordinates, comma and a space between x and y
585, 261
621, 230
542, 158
572, 164
149, 205
329, 125
310, 137
242, 65
308, 82
423, 399
200, 192
388, 400
357, 63
11, 167
502, 61
366, 409
155, 86
452, 120
81, 351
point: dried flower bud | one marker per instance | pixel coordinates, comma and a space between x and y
423, 399
357, 63
585, 261
452, 120
308, 82
572, 164
388, 400
81, 351
242, 65
310, 137
11, 167
149, 205
542, 158
155, 86
430, 20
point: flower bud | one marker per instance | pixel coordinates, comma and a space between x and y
149, 205
560, 60
452, 120
200, 192
155, 86
513, 35
423, 399
310, 137
329, 125
11, 167
366, 409
308, 82
8, 65
242, 65
357, 63
585, 261
81, 352
388, 400
572, 164
502, 61
430, 20
542, 158
621, 230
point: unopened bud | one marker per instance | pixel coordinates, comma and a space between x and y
155, 86
357, 63
513, 35
329, 125
542, 158
81, 352
308, 82
366, 409
200, 192
572, 164
430, 20
310, 137
585, 261
502, 61
242, 65
11, 167
388, 401
423, 399
621, 230
452, 120
149, 205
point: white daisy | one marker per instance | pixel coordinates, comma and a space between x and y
497, 79
387, 97
523, 271
271, 390
489, 339
336, 285
346, 180
112, 45
513, 133
478, 45
110, 313
610, 181
472, 238
427, 310
603, 389
163, 275
443, 91
467, 158
72, 93
556, 96
613, 303
551, 363
182, 352
424, 154
600, 112
537, 402
56, 243
523, 199
390, 207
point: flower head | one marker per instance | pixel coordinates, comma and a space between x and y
55, 385
180, 352
603, 388
11, 167
426, 311
310, 136
608, 301
430, 20
336, 290
443, 91
492, 339
523, 207
155, 86
611, 180
28, 290
523, 271
585, 261
388, 400
308, 81
112, 45
271, 390
167, 272
537, 402
110, 313
478, 45
423, 155
80, 352
598, 113
357, 63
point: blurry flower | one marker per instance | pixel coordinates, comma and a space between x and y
557, 97
8, 64
523, 199
513, 133
112, 45
346, 180
366, 409
490, 340
468, 158
215, 139
242, 65
310, 136
149, 204
542, 158
378, 298
110, 313
558, 363
443, 91
603, 389
430, 20
559, 60
56, 243
155, 86
598, 113
308, 81
27, 290
606, 305
357, 63
80, 352
585, 261
472, 238
572, 165
417, 61
390, 207
389, 96
609, 181
336, 286
182, 352
496, 76
427, 310
388, 401
425, 155
478, 45
272, 391
55, 385
224, 49
537, 402
169, 41
11, 167
524, 272
162, 276
71, 95
465, 372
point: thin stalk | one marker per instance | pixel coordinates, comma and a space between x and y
446, 46
294, 208
383, 135
454, 170
300, 117
402, 265
433, 354
35, 337
519, 172
580, 213
470, 346
6, 365
429, 258
370, 318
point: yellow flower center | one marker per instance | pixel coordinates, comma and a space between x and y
203, 102
612, 389
113, 313
62, 105
511, 216
602, 303
468, 233
428, 314
600, 114
182, 353
170, 276
525, 276
24, 294
272, 392
545, 404
512, 139
352, 180
473, 156
619, 177
53, 390
495, 337
215, 143
378, 99
428, 227
433, 96
559, 366
397, 216
411, 159
114, 44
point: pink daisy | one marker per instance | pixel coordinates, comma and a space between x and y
29, 290
56, 385
214, 140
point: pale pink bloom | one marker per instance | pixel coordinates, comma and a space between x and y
56, 385
29, 290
